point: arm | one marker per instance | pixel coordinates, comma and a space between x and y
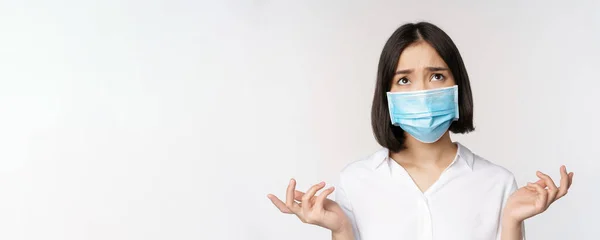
345, 234
512, 230
349, 229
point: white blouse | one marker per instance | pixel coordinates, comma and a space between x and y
465, 203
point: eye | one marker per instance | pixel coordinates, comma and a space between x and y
437, 77
403, 81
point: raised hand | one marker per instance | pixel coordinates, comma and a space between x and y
311, 209
535, 198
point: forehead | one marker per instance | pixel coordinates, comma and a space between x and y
419, 55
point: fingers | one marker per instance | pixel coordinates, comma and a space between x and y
279, 204
306, 199
290, 203
564, 182
542, 183
298, 195
571, 178
542, 193
305, 210
552, 189
321, 198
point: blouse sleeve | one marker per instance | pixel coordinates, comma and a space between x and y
510, 190
342, 200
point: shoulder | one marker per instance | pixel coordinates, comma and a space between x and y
482, 164
492, 171
363, 166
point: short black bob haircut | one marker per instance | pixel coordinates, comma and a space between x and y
390, 136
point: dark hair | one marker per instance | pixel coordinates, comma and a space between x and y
390, 136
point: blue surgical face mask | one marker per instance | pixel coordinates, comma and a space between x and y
425, 115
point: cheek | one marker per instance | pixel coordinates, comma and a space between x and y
449, 82
400, 88
394, 88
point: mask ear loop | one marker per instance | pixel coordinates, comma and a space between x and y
457, 115
390, 107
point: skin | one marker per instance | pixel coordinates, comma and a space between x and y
421, 68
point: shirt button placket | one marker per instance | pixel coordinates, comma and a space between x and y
427, 226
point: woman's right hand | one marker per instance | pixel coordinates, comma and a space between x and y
311, 209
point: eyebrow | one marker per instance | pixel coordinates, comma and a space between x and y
431, 69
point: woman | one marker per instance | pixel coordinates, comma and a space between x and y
421, 185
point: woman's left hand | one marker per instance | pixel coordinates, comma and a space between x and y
535, 198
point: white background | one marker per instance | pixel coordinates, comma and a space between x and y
173, 119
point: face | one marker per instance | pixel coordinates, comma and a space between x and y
421, 68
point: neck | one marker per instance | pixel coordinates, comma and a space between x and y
421, 154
